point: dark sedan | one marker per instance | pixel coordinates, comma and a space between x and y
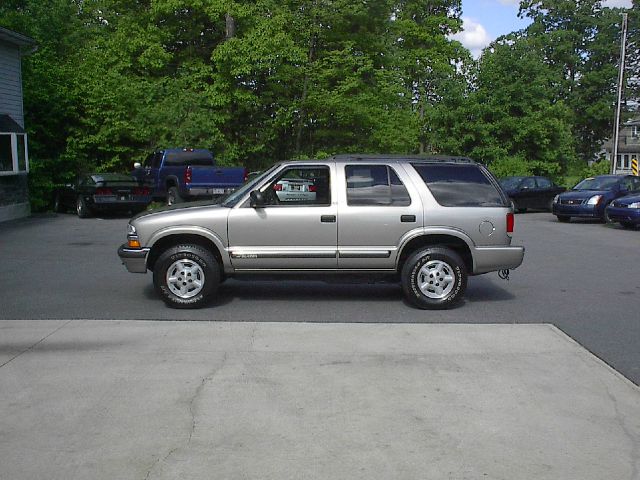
103, 192
590, 197
530, 192
625, 210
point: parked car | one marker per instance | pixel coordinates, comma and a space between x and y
102, 192
429, 222
295, 190
590, 197
625, 210
530, 192
180, 174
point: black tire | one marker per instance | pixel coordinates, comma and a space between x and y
427, 261
57, 204
82, 209
605, 216
173, 196
550, 205
563, 218
179, 263
628, 225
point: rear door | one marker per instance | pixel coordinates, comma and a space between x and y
378, 206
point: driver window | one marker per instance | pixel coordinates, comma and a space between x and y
529, 183
308, 185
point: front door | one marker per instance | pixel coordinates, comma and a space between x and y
295, 229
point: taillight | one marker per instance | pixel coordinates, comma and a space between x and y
141, 191
188, 175
246, 174
103, 191
277, 187
312, 188
510, 222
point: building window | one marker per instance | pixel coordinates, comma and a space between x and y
619, 161
626, 162
14, 156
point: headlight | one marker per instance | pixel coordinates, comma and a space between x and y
594, 200
634, 205
556, 199
131, 230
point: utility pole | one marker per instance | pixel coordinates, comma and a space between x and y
616, 123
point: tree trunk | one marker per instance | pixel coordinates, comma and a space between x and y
230, 30
305, 89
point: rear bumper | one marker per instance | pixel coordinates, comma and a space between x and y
208, 192
491, 259
134, 259
626, 215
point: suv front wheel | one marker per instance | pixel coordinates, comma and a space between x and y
434, 278
186, 276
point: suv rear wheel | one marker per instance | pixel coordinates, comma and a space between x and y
434, 278
186, 276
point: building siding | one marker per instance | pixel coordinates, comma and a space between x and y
11, 83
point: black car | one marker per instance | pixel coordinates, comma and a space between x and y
102, 192
530, 192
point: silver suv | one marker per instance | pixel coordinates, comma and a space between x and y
428, 222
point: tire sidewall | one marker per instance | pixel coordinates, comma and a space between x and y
204, 259
411, 271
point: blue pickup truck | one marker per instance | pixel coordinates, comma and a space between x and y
182, 174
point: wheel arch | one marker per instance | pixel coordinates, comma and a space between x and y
446, 239
205, 239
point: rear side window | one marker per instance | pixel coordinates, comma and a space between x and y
189, 158
377, 185
459, 185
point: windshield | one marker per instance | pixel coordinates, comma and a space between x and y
234, 197
597, 183
510, 183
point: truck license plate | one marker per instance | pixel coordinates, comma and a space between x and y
217, 191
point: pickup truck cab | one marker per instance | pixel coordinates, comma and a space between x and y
428, 222
182, 174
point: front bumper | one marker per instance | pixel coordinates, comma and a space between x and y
582, 210
625, 215
491, 259
135, 259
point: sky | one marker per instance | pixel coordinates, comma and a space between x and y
486, 20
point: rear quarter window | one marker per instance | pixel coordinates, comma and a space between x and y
460, 185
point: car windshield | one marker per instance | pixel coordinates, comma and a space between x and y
234, 197
597, 183
510, 183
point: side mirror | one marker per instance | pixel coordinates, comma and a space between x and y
256, 199
137, 165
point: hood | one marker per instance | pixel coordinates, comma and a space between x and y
177, 206
628, 200
584, 194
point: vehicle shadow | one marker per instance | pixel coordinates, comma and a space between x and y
255, 291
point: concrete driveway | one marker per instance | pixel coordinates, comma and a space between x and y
207, 400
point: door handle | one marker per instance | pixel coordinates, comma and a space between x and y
328, 218
407, 218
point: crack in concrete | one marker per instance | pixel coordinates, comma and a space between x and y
632, 436
206, 379
36, 344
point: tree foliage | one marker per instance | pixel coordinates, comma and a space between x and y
265, 80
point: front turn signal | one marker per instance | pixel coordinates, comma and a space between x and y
134, 243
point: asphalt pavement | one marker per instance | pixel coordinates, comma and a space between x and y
583, 277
